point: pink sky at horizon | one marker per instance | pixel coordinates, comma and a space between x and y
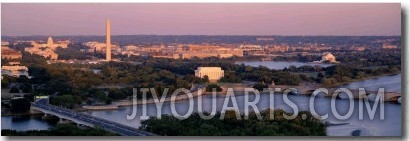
202, 19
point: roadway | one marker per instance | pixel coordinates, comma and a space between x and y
96, 121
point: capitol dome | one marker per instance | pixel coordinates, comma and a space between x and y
50, 41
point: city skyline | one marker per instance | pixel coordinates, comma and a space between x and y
202, 19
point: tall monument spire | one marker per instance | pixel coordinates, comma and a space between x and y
108, 41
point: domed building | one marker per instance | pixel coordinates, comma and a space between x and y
50, 44
47, 50
50, 41
328, 57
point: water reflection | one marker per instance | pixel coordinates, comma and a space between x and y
24, 123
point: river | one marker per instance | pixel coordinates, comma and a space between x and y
389, 126
280, 64
23, 123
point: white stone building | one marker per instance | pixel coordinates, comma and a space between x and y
46, 50
329, 57
213, 73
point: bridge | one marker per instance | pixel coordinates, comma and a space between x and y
87, 120
388, 96
309, 88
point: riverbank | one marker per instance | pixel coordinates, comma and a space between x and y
168, 99
338, 84
20, 114
102, 107
238, 88
304, 88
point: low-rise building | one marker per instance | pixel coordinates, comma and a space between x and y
101, 47
278, 48
14, 71
387, 46
10, 54
213, 73
251, 47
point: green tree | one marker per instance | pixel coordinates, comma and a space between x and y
360, 75
320, 75
345, 79
26, 88
292, 68
65, 101
14, 90
108, 101
259, 86
101, 96
206, 78
328, 82
60, 130
7, 80
194, 125
117, 94
20, 105
210, 87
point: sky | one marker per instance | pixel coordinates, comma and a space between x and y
201, 19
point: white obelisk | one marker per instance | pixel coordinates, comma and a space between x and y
108, 41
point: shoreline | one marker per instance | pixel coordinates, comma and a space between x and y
118, 104
19, 114
367, 78
167, 99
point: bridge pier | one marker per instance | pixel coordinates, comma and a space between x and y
64, 121
46, 116
60, 121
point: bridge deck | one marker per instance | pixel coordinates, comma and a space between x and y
81, 118
388, 96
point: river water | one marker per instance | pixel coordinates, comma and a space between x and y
24, 123
280, 64
389, 126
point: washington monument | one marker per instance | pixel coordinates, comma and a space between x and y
108, 41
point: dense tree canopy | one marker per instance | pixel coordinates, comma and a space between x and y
60, 130
259, 86
211, 87
116, 79
20, 105
194, 125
